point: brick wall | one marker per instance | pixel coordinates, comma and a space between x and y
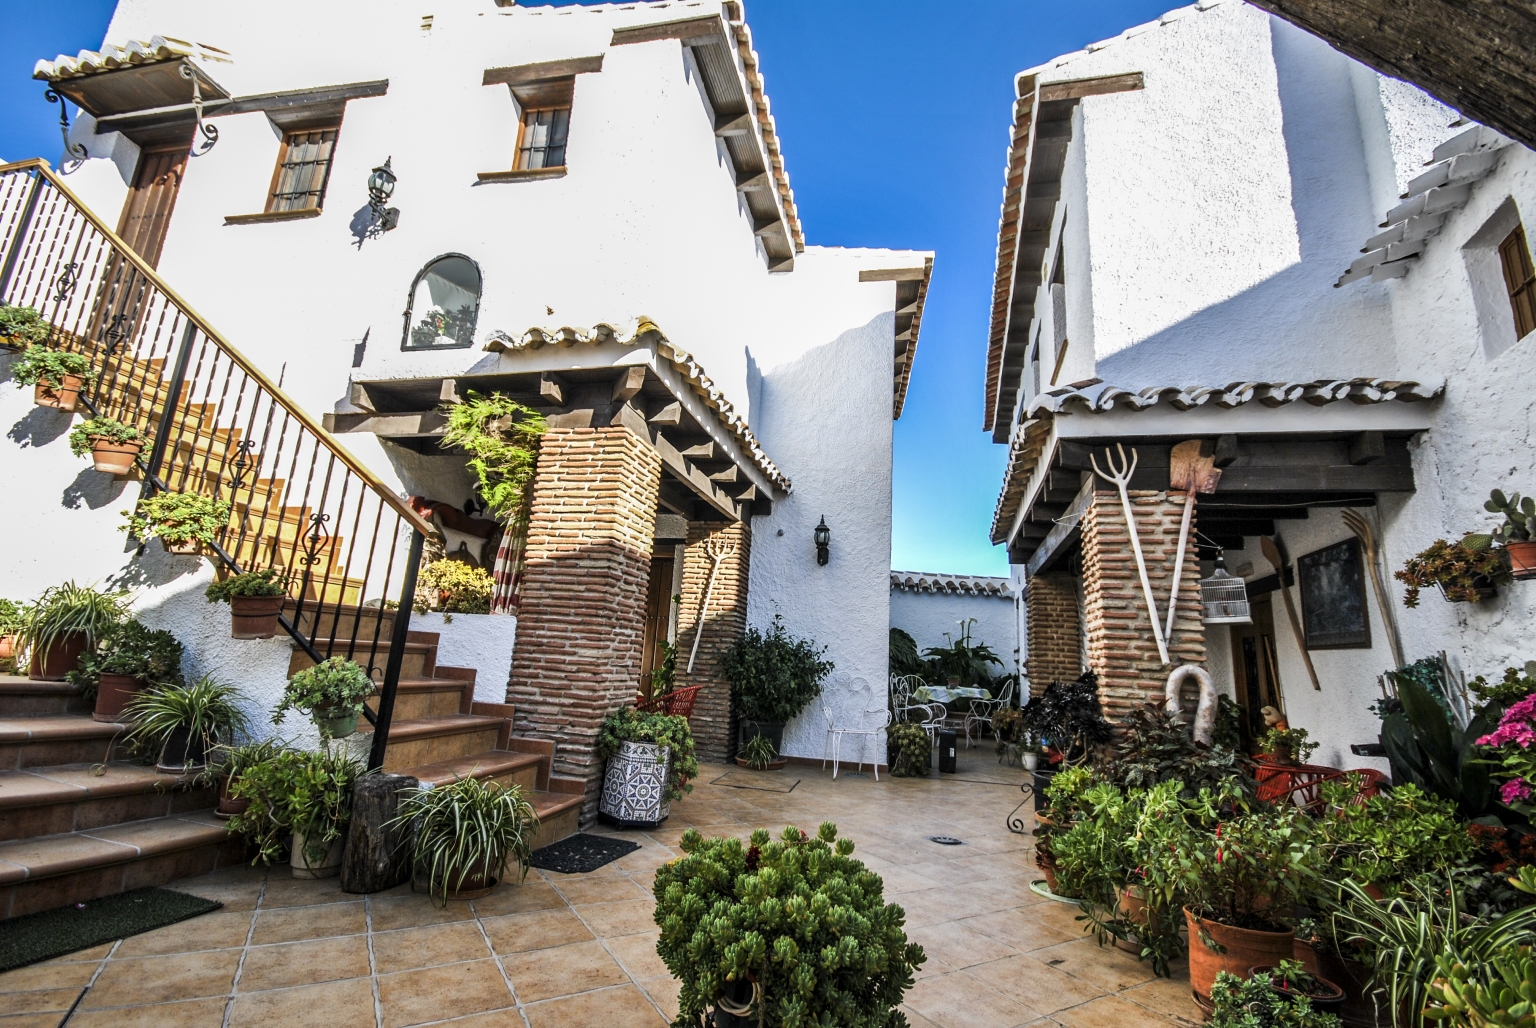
582, 615
1055, 631
723, 626
1119, 633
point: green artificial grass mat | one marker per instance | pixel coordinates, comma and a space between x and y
52, 933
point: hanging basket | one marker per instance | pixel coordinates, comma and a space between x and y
1224, 598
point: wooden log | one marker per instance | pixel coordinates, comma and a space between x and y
375, 858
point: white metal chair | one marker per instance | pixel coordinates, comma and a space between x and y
838, 727
982, 711
930, 715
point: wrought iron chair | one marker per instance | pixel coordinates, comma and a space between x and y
982, 711
678, 703
837, 728
1301, 784
903, 708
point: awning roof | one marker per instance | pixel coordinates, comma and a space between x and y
950, 585
136, 76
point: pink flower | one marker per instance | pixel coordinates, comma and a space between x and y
1518, 726
1514, 790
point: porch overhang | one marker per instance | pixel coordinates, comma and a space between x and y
713, 466
1282, 448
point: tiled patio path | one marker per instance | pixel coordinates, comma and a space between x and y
579, 950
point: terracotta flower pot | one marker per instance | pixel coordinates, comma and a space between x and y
65, 397
1132, 906
113, 693
7, 647
1242, 948
1357, 1009
59, 658
1522, 559
475, 885
229, 806
189, 548
254, 617
114, 458
776, 764
1325, 995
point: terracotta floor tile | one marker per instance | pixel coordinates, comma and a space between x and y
1035, 984
532, 894
959, 946
958, 1001
298, 923
609, 920
46, 976
291, 964
93, 955
637, 955
137, 981
507, 1017
438, 993
284, 890
1105, 967
535, 929
547, 973
218, 930
663, 992
407, 909
49, 1020
607, 889
192, 1013
1167, 996
624, 1007
37, 1001
346, 1004
1111, 1012
410, 948
1018, 930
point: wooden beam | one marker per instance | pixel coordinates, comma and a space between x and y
1227, 450
677, 464
728, 476
551, 388
359, 396
1063, 533
671, 414
739, 125
1367, 447
420, 423
448, 391
892, 274
1076, 89
628, 384
759, 183
701, 451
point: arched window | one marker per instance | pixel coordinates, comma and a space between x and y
444, 305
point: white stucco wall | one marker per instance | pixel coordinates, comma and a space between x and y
929, 616
480, 641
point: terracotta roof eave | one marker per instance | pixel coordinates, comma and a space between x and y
951, 585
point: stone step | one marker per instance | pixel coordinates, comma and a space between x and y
22, 697
418, 698
54, 870
420, 660
417, 741
73, 798
52, 740
559, 813
501, 766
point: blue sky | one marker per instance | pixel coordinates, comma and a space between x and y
893, 116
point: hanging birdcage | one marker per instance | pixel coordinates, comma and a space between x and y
1223, 598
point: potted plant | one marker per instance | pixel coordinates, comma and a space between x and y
181, 724
331, 692
1069, 717
797, 924
21, 326
55, 375
759, 755
13, 618
255, 601
454, 587
912, 750
1253, 1002
1389, 838
184, 522
113, 445
1287, 745
773, 677
300, 804
1512, 743
130, 658
66, 621
1294, 982
229, 761
650, 760
1481, 994
1064, 804
1465, 572
464, 835
1518, 532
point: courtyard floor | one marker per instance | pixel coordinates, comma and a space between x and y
579, 950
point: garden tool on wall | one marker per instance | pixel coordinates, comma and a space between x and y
716, 550
1121, 477
1193, 473
1357, 523
1273, 554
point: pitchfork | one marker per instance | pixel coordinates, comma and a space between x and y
1122, 476
716, 549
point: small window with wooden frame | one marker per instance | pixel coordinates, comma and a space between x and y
1519, 280
303, 169
543, 95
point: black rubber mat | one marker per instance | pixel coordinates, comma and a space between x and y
580, 853
53, 933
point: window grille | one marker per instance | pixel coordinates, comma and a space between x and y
1520, 279
543, 138
303, 167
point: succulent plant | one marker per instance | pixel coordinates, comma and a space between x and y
1519, 516
1500, 993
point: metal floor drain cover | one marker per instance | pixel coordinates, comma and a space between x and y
946, 840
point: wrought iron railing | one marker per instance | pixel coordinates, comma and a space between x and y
215, 425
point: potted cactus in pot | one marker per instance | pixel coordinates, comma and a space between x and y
113, 446
1517, 535
56, 376
255, 601
331, 693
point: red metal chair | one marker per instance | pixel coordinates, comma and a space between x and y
1302, 783
678, 703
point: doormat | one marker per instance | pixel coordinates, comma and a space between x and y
761, 780
577, 854
53, 933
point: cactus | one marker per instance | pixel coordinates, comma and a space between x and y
1519, 516
1500, 993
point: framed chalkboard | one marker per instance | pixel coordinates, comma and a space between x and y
1333, 611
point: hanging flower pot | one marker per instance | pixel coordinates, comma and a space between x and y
113, 693
114, 458
254, 617
1522, 559
336, 722
57, 376
184, 547
65, 397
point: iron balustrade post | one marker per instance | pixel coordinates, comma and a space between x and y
14, 253
168, 416
397, 642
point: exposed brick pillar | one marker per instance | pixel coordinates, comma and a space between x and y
1055, 631
724, 624
582, 613
1120, 644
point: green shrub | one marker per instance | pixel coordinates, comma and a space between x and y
454, 587
13, 616
1253, 1003
903, 655
1392, 837
151, 655
800, 918
466, 832
177, 518
21, 325
334, 688
248, 583
295, 791
100, 428
1155, 746
914, 750
774, 676
630, 725
45, 366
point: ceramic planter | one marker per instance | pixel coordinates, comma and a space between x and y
1522, 559
254, 617
1325, 995
113, 693
59, 658
229, 806
65, 397
114, 458
183, 754
336, 725
1031, 759
329, 866
635, 787
1241, 948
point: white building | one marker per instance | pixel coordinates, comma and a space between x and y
937, 609
1181, 201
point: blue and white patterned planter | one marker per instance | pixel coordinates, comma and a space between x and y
635, 786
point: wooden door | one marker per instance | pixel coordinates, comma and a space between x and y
147, 211
1255, 670
658, 616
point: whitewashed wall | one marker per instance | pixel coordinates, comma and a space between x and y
929, 616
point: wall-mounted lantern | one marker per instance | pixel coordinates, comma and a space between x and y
1223, 598
381, 185
823, 536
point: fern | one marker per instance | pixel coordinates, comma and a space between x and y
501, 437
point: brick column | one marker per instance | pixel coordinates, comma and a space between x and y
724, 624
582, 615
1121, 649
1055, 631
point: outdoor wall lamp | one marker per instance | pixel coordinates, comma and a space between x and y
381, 185
823, 537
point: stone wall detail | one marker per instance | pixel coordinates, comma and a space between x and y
724, 623
1055, 632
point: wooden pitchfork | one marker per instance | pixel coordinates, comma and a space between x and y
1122, 476
716, 549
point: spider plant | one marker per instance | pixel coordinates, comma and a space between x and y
1403, 936
466, 833
66, 609
759, 752
207, 711
229, 760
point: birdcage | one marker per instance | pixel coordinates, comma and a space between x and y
1223, 598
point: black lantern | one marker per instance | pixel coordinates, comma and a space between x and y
381, 185
823, 537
